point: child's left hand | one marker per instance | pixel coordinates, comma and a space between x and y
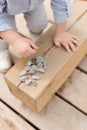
67, 40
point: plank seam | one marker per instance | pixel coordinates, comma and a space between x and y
73, 105
25, 119
81, 70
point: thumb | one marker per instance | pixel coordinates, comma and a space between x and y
33, 45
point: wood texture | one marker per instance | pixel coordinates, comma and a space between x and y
75, 90
56, 115
10, 121
57, 71
83, 65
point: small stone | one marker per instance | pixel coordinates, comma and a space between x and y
34, 67
39, 59
27, 68
41, 70
31, 72
40, 65
35, 77
45, 62
27, 81
29, 63
23, 72
45, 66
34, 83
23, 78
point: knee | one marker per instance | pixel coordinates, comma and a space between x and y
39, 27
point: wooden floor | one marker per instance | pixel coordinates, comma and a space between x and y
66, 111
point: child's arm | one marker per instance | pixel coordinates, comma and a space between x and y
23, 46
62, 10
62, 37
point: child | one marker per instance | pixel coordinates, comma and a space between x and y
36, 19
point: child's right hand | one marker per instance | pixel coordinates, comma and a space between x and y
24, 46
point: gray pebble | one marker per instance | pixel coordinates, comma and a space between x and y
31, 71
34, 67
45, 62
27, 81
41, 70
29, 63
27, 68
23, 72
23, 78
39, 59
40, 65
45, 66
35, 77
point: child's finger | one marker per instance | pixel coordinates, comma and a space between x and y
74, 37
33, 46
71, 45
75, 42
66, 47
57, 43
31, 50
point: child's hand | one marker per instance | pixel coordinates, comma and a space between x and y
24, 46
67, 40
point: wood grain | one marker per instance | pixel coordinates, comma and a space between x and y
56, 115
75, 90
83, 65
11, 121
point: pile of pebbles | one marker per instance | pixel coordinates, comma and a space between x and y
28, 76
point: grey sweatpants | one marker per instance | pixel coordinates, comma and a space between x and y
36, 21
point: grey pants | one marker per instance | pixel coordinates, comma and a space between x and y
36, 21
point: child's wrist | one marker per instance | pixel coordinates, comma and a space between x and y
60, 28
10, 36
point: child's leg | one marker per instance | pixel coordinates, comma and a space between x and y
5, 61
36, 19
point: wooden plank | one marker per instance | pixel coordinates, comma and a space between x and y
57, 115
11, 121
83, 65
75, 90
57, 71
43, 48
78, 10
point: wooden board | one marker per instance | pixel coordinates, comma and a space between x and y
56, 115
10, 121
83, 65
78, 10
57, 71
75, 90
